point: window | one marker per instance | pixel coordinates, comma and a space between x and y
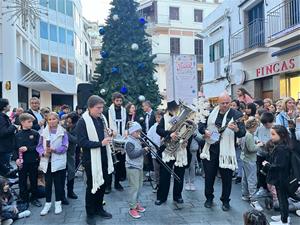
45, 62
175, 45
54, 64
70, 38
85, 49
216, 51
70, 67
198, 15
174, 13
53, 32
52, 4
43, 3
199, 50
69, 8
86, 73
62, 35
61, 6
43, 30
62, 66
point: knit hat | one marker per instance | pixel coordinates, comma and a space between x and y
135, 126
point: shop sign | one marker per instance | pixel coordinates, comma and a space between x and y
277, 67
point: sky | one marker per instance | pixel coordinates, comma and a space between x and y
95, 10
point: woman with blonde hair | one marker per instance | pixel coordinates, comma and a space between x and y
288, 112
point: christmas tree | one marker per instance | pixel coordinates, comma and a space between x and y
127, 61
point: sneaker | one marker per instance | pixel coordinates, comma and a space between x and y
208, 204
298, 212
119, 187
140, 208
255, 205
24, 214
193, 187
279, 223
46, 208
58, 208
278, 218
246, 198
226, 206
187, 187
134, 213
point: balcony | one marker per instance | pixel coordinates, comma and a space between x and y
284, 23
249, 41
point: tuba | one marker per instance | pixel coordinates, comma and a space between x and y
183, 125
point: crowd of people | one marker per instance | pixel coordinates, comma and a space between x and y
254, 142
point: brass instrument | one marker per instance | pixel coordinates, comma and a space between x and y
183, 125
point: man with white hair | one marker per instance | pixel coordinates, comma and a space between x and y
221, 131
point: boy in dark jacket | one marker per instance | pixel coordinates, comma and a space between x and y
27, 158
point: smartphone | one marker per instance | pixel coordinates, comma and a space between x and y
48, 143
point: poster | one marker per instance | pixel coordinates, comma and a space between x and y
182, 78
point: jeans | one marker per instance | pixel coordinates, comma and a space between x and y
189, 175
238, 151
135, 180
249, 179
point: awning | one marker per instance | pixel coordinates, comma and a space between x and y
286, 50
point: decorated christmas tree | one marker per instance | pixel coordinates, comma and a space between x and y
127, 61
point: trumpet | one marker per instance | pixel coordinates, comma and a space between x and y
144, 139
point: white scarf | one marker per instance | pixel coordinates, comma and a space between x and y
97, 174
114, 123
181, 154
227, 158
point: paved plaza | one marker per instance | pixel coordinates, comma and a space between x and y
193, 213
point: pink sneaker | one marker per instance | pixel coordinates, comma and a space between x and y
134, 213
140, 208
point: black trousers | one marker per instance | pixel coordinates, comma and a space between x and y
120, 171
164, 182
28, 170
261, 178
56, 179
211, 168
93, 202
70, 183
282, 193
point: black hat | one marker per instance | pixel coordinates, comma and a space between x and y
172, 105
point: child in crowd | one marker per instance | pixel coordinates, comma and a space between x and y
134, 169
9, 207
190, 171
248, 155
52, 148
278, 170
27, 159
152, 135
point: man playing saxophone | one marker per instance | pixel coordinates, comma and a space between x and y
179, 159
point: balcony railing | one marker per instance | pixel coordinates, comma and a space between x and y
283, 19
249, 37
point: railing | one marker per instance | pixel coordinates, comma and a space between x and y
249, 37
283, 19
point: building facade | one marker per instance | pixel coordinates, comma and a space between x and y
49, 61
173, 25
264, 48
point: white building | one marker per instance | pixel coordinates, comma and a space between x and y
48, 61
173, 25
265, 44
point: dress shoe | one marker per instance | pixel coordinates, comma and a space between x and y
36, 203
226, 206
72, 195
238, 180
158, 202
107, 190
208, 204
119, 187
90, 220
64, 201
102, 213
179, 201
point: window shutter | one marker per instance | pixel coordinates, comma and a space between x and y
211, 53
222, 48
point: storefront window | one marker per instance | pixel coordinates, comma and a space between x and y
290, 86
54, 64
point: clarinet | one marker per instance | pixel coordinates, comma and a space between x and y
109, 133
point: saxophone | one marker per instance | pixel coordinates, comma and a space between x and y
183, 125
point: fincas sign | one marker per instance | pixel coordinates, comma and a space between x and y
277, 67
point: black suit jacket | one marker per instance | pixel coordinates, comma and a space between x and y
152, 120
35, 123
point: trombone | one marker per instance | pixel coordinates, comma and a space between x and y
144, 139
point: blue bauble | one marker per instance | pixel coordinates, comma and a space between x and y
141, 66
142, 21
101, 31
104, 54
124, 90
114, 70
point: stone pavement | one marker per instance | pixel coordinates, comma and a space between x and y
194, 213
